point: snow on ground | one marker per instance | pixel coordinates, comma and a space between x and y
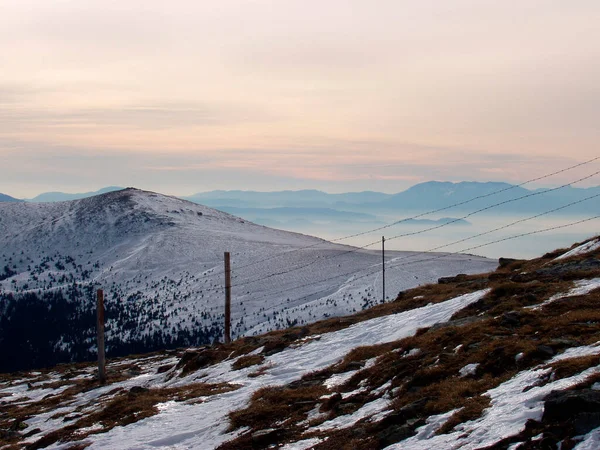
511, 406
582, 287
204, 425
306, 444
376, 407
588, 247
591, 441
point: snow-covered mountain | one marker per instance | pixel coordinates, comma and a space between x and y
160, 261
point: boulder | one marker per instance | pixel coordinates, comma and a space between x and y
580, 408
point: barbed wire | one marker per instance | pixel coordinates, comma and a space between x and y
434, 211
413, 233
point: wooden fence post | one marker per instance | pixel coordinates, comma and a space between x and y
383, 268
227, 332
100, 331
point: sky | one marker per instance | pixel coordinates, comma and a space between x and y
188, 96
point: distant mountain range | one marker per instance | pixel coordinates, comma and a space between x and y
302, 198
63, 197
8, 198
432, 195
356, 206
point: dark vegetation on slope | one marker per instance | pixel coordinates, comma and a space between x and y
422, 370
44, 329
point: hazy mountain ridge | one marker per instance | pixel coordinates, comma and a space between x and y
160, 259
421, 197
8, 198
63, 197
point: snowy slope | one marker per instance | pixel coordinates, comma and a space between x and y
161, 259
432, 370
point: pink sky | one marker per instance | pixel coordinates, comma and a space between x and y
188, 96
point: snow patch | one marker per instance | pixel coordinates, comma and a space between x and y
469, 370
582, 287
582, 249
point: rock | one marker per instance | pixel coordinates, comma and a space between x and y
580, 408
273, 348
395, 433
32, 432
133, 371
559, 342
193, 360
263, 437
503, 262
511, 319
448, 280
559, 270
545, 351
164, 368
456, 323
17, 425
585, 422
135, 390
9, 434
331, 402
72, 417
187, 357
354, 365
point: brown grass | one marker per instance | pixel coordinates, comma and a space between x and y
247, 361
573, 366
270, 405
471, 409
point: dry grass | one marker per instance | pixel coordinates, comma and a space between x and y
471, 408
247, 361
573, 366
267, 407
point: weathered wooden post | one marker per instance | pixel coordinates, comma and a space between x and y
227, 332
383, 267
100, 331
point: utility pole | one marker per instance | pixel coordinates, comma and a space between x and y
227, 332
100, 331
383, 267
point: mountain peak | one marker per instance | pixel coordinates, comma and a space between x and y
8, 198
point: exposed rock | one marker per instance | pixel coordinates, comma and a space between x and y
457, 278
135, 390
545, 351
164, 368
263, 437
511, 319
456, 323
331, 402
194, 360
503, 262
561, 270
32, 432
580, 408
